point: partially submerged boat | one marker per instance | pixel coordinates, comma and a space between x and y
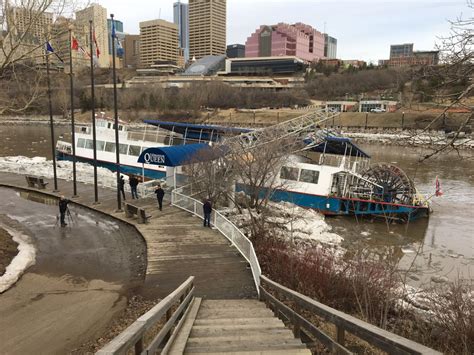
335, 177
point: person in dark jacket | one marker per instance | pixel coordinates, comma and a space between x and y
207, 209
160, 193
62, 210
133, 181
121, 186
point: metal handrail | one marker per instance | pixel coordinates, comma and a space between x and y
225, 227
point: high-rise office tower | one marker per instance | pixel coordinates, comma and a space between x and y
98, 15
158, 42
181, 18
207, 27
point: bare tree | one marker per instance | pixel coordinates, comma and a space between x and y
25, 27
451, 83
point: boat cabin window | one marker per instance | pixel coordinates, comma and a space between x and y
289, 173
89, 144
123, 148
134, 150
310, 176
100, 145
81, 143
110, 147
109, 125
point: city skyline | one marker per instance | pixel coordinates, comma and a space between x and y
384, 23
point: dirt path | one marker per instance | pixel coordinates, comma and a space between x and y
8, 250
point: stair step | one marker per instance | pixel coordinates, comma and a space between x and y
219, 331
247, 348
238, 321
231, 303
259, 352
244, 341
231, 313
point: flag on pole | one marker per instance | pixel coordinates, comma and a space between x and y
74, 44
120, 51
96, 45
114, 35
49, 49
438, 191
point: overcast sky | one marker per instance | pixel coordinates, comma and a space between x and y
364, 29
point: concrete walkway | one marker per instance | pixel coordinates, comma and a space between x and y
178, 246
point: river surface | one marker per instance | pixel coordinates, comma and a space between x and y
441, 246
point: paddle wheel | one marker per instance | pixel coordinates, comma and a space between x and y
386, 183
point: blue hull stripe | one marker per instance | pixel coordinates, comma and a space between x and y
340, 206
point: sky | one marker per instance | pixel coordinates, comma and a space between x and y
364, 29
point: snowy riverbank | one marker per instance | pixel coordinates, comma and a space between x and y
410, 138
23, 260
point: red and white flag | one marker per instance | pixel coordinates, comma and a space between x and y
438, 191
74, 44
96, 45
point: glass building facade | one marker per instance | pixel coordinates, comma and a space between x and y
401, 50
181, 18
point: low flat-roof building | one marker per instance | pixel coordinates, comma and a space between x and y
368, 105
262, 66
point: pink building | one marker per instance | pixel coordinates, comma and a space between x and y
300, 40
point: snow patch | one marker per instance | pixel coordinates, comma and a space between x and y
40, 166
24, 259
295, 223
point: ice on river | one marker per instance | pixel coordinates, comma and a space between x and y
296, 223
40, 166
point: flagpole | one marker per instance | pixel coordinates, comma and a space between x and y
51, 121
73, 128
94, 142
117, 143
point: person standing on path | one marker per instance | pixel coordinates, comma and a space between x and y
62, 210
207, 209
121, 186
133, 181
160, 193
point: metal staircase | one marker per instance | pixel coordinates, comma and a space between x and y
297, 127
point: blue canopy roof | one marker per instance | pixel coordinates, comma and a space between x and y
178, 155
339, 146
198, 131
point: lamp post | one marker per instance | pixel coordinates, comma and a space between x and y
117, 143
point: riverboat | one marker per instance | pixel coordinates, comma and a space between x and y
335, 177
131, 145
133, 142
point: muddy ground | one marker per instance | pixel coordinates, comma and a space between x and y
8, 250
136, 306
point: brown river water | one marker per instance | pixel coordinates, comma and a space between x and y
440, 246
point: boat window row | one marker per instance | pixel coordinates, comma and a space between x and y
301, 175
126, 149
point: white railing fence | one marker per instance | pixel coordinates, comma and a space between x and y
223, 225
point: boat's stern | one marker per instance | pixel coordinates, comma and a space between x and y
63, 150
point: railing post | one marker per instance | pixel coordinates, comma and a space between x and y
340, 335
139, 346
194, 205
